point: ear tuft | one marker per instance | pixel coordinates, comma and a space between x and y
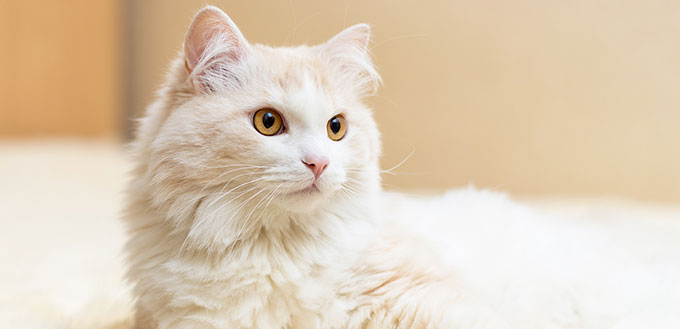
348, 52
212, 37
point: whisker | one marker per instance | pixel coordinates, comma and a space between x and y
209, 184
347, 187
223, 194
222, 175
346, 193
389, 171
238, 186
247, 219
239, 209
203, 219
234, 198
234, 165
269, 196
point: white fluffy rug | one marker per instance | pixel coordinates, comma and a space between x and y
60, 240
59, 235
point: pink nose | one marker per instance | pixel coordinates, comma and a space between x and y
316, 164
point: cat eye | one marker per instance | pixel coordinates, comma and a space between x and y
267, 122
336, 127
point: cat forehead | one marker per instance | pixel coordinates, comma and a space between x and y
307, 100
297, 68
301, 82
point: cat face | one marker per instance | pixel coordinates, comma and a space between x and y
256, 126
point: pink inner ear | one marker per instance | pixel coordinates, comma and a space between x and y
211, 25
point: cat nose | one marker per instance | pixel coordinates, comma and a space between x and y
316, 164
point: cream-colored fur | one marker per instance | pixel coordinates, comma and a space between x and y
220, 235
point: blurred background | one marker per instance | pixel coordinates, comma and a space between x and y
575, 103
531, 97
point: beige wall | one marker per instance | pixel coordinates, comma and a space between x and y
61, 68
529, 96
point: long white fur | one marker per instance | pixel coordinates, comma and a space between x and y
219, 237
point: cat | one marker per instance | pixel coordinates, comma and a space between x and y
256, 202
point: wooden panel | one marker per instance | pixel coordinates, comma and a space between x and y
61, 67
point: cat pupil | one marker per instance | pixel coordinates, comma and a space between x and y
335, 125
268, 120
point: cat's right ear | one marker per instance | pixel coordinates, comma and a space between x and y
212, 44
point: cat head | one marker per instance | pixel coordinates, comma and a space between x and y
242, 127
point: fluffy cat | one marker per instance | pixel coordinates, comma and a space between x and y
256, 203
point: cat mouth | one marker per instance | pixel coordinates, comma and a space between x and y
311, 189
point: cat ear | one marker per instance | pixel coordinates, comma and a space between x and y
352, 39
213, 41
348, 52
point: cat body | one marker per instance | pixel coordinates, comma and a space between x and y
303, 270
256, 203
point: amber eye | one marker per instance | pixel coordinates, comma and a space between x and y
336, 127
268, 122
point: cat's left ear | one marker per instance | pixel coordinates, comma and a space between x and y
348, 52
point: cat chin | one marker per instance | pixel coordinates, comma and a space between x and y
303, 201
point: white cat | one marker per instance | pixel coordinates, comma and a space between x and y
256, 203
